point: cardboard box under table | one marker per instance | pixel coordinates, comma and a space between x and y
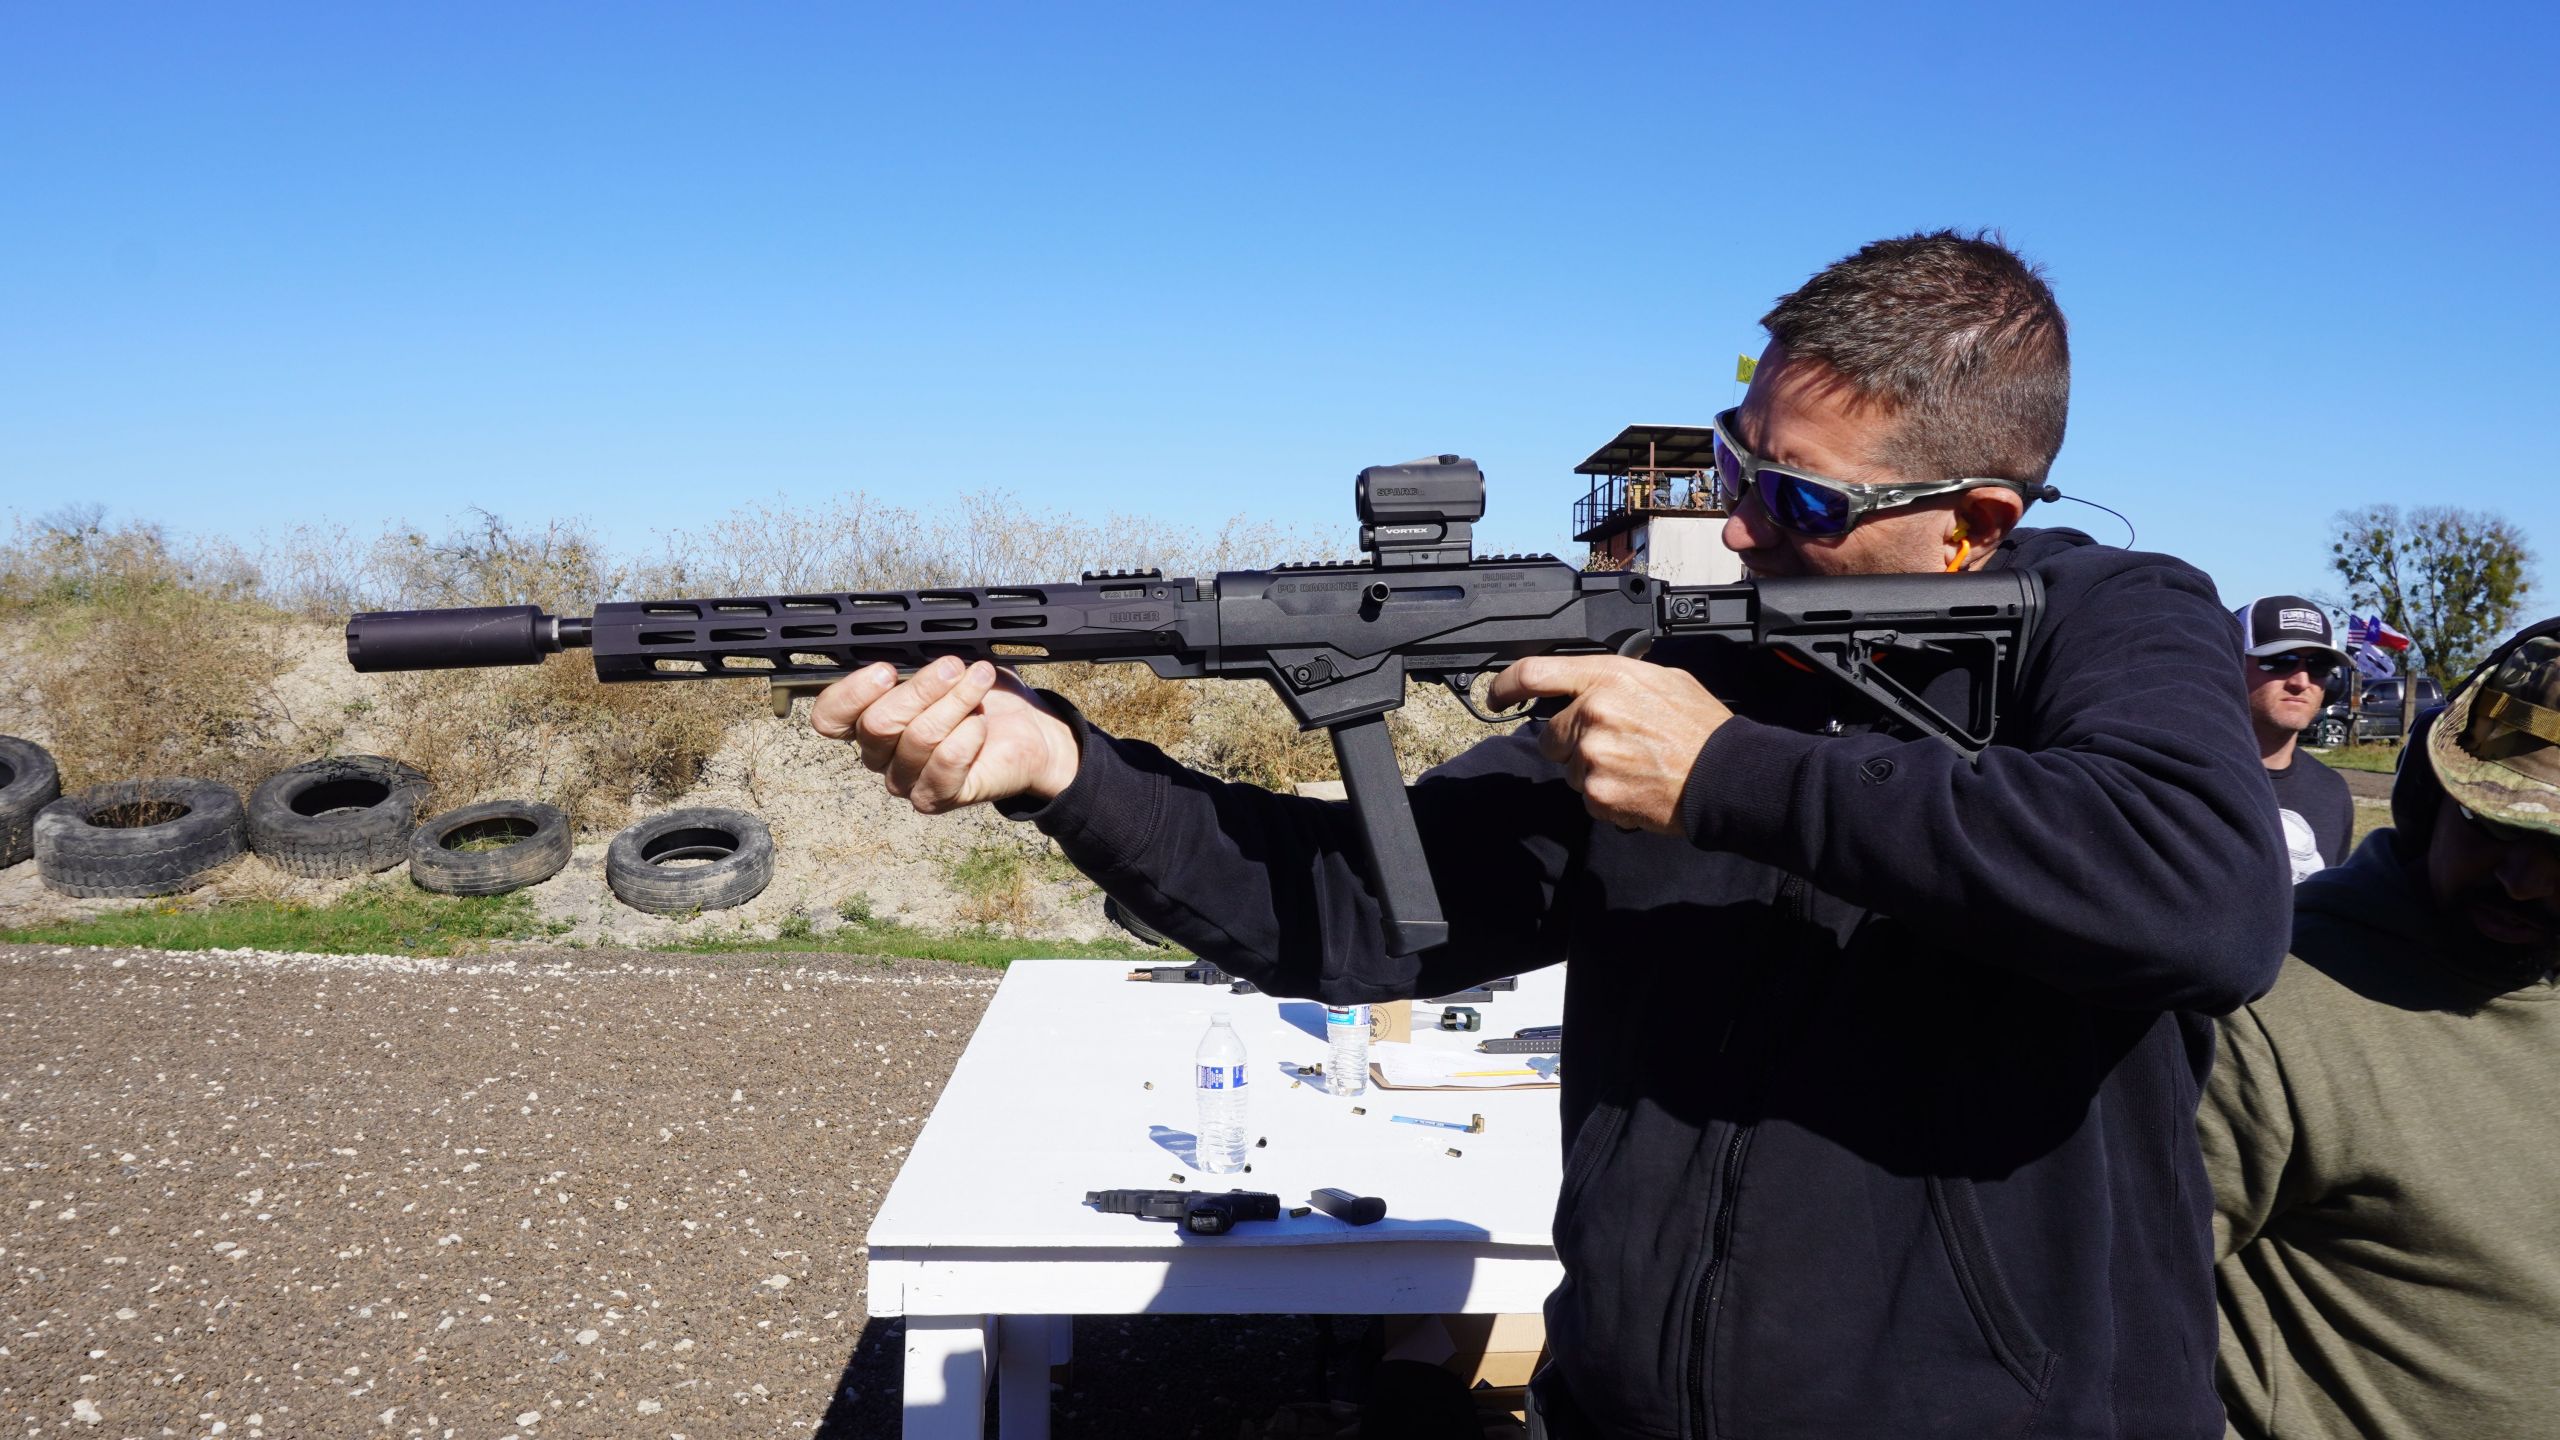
1077, 1080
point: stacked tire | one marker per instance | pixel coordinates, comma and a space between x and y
131, 839
353, 815
346, 815
646, 864
489, 848
29, 781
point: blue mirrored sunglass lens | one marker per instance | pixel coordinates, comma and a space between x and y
1806, 508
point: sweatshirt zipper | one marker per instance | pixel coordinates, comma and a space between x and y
1795, 901
1720, 1234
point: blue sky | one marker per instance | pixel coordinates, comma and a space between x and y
267, 263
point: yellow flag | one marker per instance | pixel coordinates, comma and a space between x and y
1743, 365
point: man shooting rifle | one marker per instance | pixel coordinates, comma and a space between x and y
1882, 1063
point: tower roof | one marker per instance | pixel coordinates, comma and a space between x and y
1640, 448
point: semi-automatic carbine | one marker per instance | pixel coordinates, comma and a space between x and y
1336, 639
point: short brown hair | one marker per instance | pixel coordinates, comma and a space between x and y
1955, 335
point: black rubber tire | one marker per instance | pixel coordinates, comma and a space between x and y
28, 783
346, 815
1118, 914
738, 845
160, 837
540, 851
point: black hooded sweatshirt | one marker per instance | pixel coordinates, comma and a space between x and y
1881, 1082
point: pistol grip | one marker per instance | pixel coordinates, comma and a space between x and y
1375, 786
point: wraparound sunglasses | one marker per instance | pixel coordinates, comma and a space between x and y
2319, 666
1820, 507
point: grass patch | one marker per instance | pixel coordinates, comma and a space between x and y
994, 882
2378, 759
378, 919
985, 868
890, 940
2371, 815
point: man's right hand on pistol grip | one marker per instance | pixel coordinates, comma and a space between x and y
951, 734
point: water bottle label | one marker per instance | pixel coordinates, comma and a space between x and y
1221, 1077
1345, 1015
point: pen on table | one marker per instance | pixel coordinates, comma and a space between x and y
1474, 1127
1484, 1074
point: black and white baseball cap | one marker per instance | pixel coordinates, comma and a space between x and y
2278, 624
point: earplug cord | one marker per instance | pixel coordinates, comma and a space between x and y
2050, 492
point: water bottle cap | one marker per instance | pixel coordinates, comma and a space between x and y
1220, 1017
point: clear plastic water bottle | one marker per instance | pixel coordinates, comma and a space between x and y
1220, 1079
1346, 1065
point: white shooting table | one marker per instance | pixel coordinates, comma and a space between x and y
987, 1248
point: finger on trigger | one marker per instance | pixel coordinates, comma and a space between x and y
1513, 685
1543, 675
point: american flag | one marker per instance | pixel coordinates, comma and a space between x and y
2371, 631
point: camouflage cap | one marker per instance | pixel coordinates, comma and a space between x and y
2496, 748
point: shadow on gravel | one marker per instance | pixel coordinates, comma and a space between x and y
1139, 1377
865, 1405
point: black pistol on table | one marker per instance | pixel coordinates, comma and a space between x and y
1337, 639
1201, 1212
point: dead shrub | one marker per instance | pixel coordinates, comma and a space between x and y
1240, 730
70, 558
548, 732
252, 878
551, 733
976, 537
994, 882
325, 572
145, 666
158, 658
1125, 699
1243, 732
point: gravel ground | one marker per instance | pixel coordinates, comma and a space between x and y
552, 1193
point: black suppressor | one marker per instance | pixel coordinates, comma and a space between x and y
460, 639
1200, 1211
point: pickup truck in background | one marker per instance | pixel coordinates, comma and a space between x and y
2364, 711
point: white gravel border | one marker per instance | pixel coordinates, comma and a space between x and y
283, 961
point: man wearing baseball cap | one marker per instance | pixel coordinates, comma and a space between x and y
2383, 1128
2287, 654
